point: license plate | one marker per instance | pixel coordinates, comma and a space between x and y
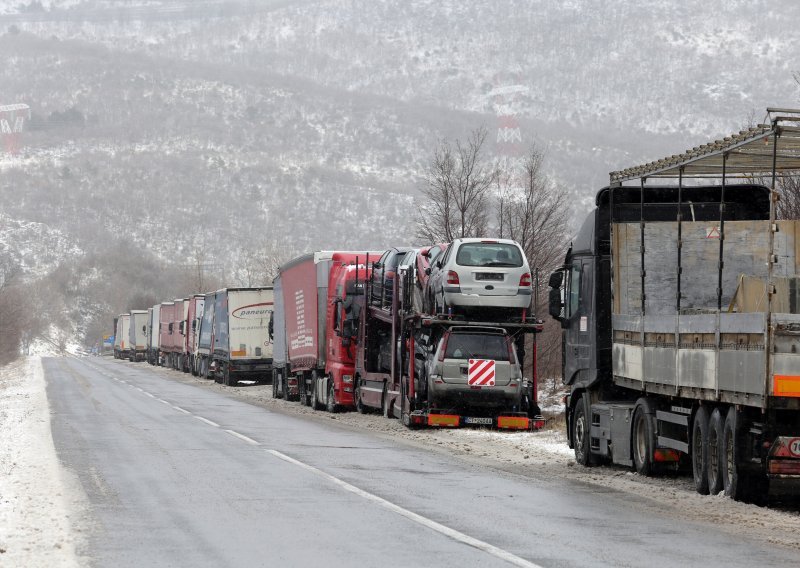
493, 276
478, 420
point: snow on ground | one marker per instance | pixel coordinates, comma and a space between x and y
37, 509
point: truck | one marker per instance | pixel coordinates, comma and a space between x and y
678, 301
165, 324
194, 316
241, 345
317, 367
417, 366
121, 337
137, 337
153, 335
205, 337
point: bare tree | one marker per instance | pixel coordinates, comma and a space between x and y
457, 191
534, 212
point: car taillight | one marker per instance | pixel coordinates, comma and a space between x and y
444, 346
525, 280
452, 278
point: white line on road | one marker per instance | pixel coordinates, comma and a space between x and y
150, 395
242, 437
179, 409
164, 401
207, 421
424, 521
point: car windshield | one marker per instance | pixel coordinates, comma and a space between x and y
489, 254
477, 346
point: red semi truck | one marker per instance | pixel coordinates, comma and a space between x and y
194, 313
316, 290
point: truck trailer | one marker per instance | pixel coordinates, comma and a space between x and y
440, 370
137, 335
193, 318
680, 312
153, 335
241, 345
166, 316
317, 367
205, 337
122, 342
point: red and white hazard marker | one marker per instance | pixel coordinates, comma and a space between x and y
481, 372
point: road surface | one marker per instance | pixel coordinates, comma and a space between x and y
178, 475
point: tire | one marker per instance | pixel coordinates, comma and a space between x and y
315, 404
360, 408
715, 457
286, 395
699, 450
274, 387
580, 436
642, 440
332, 407
735, 482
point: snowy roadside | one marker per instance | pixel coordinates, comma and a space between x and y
37, 511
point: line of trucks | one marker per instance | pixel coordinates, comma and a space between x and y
679, 302
349, 331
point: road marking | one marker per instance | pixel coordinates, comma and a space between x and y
207, 421
179, 409
164, 401
424, 521
150, 395
242, 437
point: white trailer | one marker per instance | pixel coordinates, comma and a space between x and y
137, 335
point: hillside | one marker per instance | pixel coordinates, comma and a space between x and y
178, 134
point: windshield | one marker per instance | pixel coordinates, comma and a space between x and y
477, 346
489, 254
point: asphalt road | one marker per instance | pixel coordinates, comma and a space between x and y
178, 475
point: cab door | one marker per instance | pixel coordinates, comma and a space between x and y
578, 320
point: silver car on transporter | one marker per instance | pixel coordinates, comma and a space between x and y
469, 359
485, 273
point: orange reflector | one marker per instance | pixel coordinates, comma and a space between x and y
238, 353
513, 423
784, 467
662, 455
786, 385
444, 420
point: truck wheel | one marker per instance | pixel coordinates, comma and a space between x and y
360, 408
332, 406
643, 441
385, 402
700, 450
716, 459
580, 436
735, 482
285, 385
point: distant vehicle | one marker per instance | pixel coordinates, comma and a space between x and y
481, 273
194, 313
241, 345
165, 324
383, 274
153, 334
122, 345
469, 356
137, 337
205, 337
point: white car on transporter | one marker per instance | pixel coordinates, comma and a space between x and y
481, 273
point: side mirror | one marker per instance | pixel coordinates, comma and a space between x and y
556, 278
376, 264
144, 329
555, 304
428, 271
